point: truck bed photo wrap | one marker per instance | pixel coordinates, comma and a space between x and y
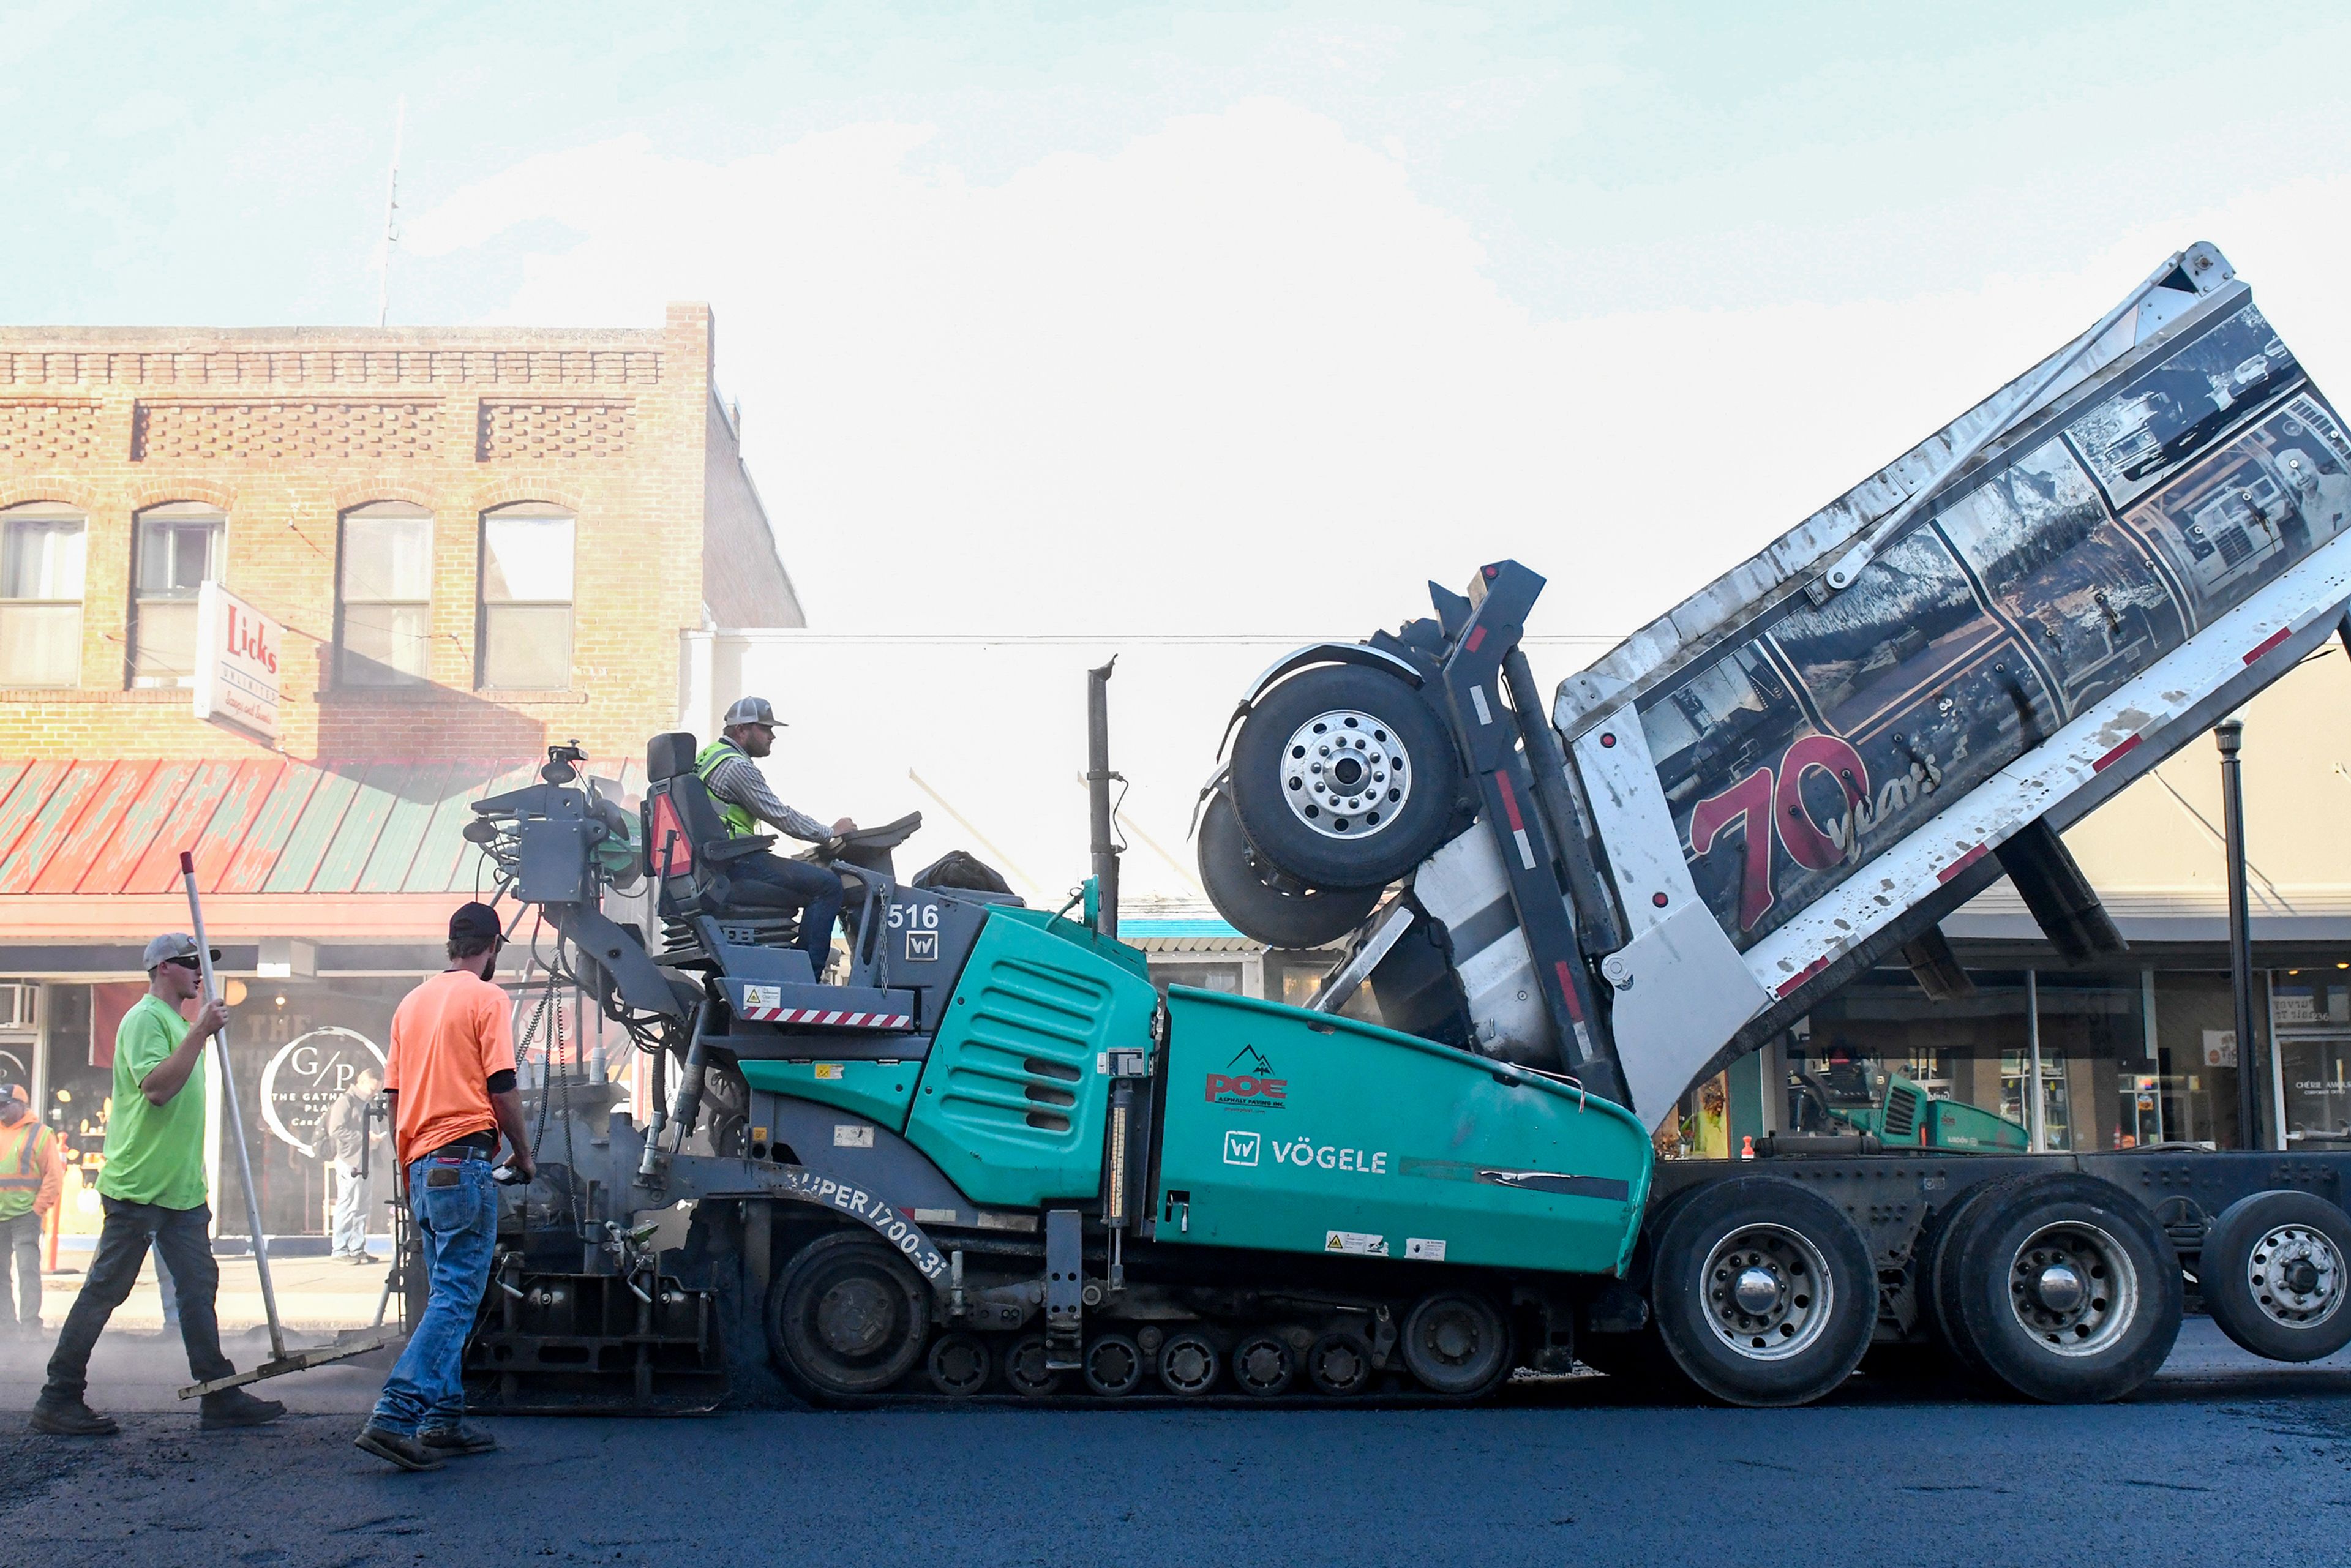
1832, 744
2037, 588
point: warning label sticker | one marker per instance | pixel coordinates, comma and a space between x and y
849, 1136
827, 1071
763, 996
1425, 1249
1362, 1243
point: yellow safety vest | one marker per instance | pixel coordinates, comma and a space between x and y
24, 1162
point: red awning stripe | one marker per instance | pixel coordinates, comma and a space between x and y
249, 868
76, 834
23, 800
73, 859
50, 824
183, 826
127, 840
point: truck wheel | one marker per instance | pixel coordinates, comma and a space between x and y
1938, 1265
1344, 776
1764, 1292
847, 1316
1264, 914
1456, 1343
2068, 1292
1113, 1366
2275, 1271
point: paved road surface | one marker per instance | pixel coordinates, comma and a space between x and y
2222, 1459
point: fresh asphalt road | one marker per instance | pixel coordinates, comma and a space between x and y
2221, 1459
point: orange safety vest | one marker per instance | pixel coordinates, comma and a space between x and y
24, 1164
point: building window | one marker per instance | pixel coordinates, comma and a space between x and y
524, 632
384, 595
178, 552
41, 549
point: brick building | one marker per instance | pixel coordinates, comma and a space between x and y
478, 540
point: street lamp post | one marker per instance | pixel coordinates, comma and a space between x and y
2229, 736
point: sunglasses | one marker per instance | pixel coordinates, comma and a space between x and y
195, 964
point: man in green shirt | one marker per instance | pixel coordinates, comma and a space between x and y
154, 1189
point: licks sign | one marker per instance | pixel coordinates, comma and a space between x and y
237, 650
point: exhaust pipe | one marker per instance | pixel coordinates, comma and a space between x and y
1098, 778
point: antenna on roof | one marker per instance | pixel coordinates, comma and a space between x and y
391, 219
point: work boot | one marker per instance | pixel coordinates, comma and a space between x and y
455, 1442
362, 1260
74, 1420
235, 1407
397, 1447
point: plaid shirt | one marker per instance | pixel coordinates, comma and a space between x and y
737, 781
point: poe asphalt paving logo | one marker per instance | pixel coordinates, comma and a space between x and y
1248, 1083
1241, 1148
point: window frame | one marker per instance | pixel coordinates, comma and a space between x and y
485, 607
215, 570
398, 679
51, 512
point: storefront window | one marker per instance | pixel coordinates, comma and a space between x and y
2311, 1011
2197, 1058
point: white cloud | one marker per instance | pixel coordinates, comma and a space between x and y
1237, 376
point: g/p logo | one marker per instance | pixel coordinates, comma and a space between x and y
1241, 1148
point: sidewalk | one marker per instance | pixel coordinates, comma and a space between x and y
313, 1294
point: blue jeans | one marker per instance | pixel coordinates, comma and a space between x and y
350, 1211
456, 1209
815, 888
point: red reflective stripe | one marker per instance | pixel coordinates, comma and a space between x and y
1960, 864
1476, 636
2117, 755
1567, 989
2274, 638
1509, 802
1806, 973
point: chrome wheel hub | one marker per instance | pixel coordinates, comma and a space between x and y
1768, 1293
2072, 1288
1345, 773
2297, 1276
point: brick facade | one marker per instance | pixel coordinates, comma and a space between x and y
286, 431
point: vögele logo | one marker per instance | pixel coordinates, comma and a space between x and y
1241, 1148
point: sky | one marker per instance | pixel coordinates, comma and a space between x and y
1245, 319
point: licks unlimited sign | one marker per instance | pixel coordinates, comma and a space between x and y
237, 651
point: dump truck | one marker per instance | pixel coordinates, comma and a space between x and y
997, 1158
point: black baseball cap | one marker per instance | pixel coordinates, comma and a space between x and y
475, 920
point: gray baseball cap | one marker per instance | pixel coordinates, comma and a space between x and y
752, 710
172, 944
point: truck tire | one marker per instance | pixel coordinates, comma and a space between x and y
1939, 1270
2064, 1289
2276, 1271
847, 1316
1268, 915
1764, 1292
1344, 776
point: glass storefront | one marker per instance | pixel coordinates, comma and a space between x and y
2057, 1060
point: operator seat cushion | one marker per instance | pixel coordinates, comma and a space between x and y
667, 756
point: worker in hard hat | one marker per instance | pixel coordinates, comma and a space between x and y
731, 776
155, 1190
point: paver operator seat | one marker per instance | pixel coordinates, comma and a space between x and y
688, 849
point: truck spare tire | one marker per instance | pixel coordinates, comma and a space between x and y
1343, 776
1264, 914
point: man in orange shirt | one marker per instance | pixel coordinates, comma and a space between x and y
450, 1081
